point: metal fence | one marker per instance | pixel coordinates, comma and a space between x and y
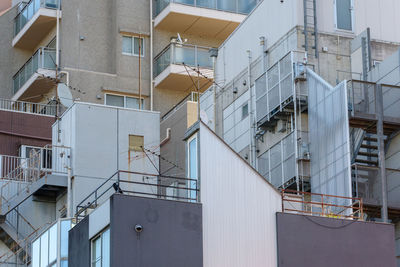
234, 6
321, 205
275, 88
28, 107
30, 9
361, 97
190, 55
43, 58
140, 184
278, 164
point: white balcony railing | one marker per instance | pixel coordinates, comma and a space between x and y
28, 107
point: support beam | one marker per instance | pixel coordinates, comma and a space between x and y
381, 151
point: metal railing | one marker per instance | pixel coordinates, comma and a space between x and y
28, 107
234, 6
192, 96
19, 173
140, 184
361, 97
30, 9
43, 58
179, 54
315, 204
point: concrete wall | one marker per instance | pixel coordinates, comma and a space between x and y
171, 236
318, 241
99, 139
239, 206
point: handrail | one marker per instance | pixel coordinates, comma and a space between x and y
355, 207
92, 199
28, 107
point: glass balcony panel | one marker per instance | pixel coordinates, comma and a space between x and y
246, 6
185, 55
207, 3
186, 2
29, 11
203, 58
227, 5
22, 77
162, 62
15, 83
49, 59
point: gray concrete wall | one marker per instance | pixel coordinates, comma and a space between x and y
318, 241
171, 236
79, 244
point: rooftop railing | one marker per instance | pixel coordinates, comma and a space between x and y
234, 6
140, 184
28, 107
314, 204
190, 55
29, 10
43, 58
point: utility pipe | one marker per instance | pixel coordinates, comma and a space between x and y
252, 130
151, 57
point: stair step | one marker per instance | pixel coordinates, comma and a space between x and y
374, 155
373, 139
369, 146
371, 162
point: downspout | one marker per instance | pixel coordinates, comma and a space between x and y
151, 57
69, 193
167, 137
252, 131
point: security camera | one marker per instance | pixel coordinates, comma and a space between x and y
138, 228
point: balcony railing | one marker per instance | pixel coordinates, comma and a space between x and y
190, 55
28, 107
43, 58
192, 97
234, 6
30, 9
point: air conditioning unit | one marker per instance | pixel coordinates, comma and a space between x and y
299, 71
281, 126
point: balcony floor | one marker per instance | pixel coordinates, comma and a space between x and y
36, 85
198, 21
36, 29
175, 77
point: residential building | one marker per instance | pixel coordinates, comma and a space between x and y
113, 53
201, 223
87, 145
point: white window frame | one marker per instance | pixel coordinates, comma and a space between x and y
124, 96
189, 193
133, 46
352, 17
99, 235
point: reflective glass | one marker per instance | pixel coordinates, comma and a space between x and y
127, 44
53, 243
115, 100
105, 248
44, 249
137, 42
65, 227
36, 253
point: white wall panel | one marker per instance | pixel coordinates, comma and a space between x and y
239, 207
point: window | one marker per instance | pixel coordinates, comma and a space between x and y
101, 249
344, 14
192, 167
136, 143
123, 101
132, 45
245, 111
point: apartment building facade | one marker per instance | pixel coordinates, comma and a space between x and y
112, 52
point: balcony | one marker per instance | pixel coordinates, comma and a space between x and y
33, 22
30, 81
176, 63
209, 18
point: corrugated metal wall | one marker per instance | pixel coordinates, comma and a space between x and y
239, 207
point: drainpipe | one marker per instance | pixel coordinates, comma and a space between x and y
167, 137
151, 57
252, 130
69, 193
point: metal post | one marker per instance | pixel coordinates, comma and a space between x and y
381, 151
69, 193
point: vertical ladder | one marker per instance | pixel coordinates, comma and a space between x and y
310, 26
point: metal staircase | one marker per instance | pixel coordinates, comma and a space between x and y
310, 26
42, 174
368, 151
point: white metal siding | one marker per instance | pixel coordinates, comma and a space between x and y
239, 207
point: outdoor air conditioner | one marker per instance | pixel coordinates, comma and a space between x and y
299, 71
281, 126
